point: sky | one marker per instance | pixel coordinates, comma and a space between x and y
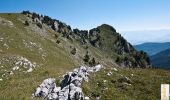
136, 20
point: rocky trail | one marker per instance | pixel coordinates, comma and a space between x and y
70, 87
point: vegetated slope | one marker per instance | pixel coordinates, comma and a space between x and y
153, 48
22, 47
161, 59
35, 47
126, 84
115, 46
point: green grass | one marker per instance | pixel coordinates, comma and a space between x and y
21, 85
145, 84
58, 60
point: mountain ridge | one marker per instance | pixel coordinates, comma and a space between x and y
152, 47
34, 48
97, 37
161, 59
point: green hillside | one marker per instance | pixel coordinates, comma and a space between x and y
35, 47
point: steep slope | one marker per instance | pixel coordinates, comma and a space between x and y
35, 47
25, 47
153, 48
161, 59
113, 45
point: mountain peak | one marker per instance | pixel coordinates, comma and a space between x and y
108, 27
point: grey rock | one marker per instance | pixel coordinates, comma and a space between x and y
70, 85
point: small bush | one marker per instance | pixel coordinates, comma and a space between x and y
118, 60
58, 41
53, 27
25, 12
86, 58
39, 25
92, 62
73, 51
56, 36
26, 23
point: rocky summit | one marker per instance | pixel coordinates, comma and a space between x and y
39, 59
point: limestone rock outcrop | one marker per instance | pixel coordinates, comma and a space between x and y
70, 87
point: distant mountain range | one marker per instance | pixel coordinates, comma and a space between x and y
153, 48
159, 53
161, 59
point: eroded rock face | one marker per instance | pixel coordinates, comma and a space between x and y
70, 87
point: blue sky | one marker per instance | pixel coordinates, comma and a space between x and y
129, 17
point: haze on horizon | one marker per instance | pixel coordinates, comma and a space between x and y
138, 21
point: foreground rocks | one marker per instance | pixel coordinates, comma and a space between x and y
70, 87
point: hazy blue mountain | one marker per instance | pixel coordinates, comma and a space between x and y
161, 59
147, 36
153, 48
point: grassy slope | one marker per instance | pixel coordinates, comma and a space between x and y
58, 59
20, 86
145, 84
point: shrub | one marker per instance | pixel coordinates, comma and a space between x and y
58, 41
117, 59
26, 23
48, 20
53, 27
56, 36
92, 62
35, 15
86, 58
73, 51
39, 25
25, 12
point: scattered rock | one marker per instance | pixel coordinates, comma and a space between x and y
3, 75
115, 69
109, 73
97, 98
97, 68
125, 80
86, 98
46, 88
70, 87
24, 62
104, 81
4, 21
11, 73
5, 45
15, 68
127, 84
1, 39
29, 70
33, 44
